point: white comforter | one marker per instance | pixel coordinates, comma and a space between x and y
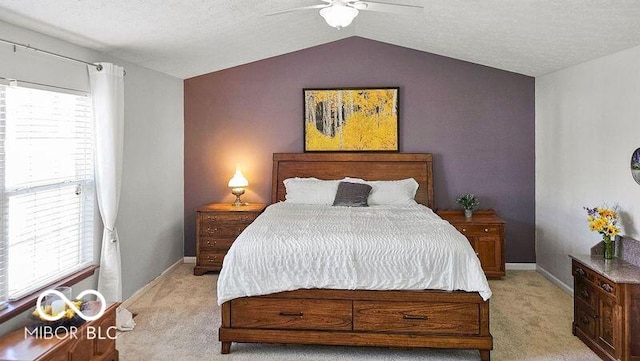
293, 246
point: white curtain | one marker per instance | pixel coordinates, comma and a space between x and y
107, 91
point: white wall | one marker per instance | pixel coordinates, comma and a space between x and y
150, 222
587, 127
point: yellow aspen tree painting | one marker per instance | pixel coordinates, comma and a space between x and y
363, 119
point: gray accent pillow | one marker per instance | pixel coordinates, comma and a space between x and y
352, 195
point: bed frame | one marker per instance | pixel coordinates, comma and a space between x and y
429, 318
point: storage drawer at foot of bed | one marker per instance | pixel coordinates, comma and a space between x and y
291, 314
442, 318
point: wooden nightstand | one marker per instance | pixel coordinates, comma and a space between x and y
485, 232
217, 226
94, 340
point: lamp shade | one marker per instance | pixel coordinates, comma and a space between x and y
339, 15
238, 180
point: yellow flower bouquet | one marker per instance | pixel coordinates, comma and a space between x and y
604, 221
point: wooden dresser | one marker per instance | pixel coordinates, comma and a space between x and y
217, 226
607, 306
93, 341
485, 232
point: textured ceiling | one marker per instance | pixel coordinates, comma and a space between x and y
186, 38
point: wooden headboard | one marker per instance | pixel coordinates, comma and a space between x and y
368, 166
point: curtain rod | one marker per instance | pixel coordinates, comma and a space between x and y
45, 85
27, 46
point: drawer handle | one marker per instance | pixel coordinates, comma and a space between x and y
414, 317
585, 320
214, 243
581, 272
478, 254
464, 230
486, 230
212, 218
605, 286
212, 230
584, 294
212, 258
291, 314
595, 317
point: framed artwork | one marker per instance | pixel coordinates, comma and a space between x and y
635, 165
351, 120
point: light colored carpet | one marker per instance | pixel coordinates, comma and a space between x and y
178, 319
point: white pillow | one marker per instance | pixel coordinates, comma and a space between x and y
310, 190
390, 192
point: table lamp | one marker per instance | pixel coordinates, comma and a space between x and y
237, 184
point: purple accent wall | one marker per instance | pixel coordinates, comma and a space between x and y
477, 121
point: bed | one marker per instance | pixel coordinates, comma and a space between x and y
358, 317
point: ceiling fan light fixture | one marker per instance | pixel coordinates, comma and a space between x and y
338, 15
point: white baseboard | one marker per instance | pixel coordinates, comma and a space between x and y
521, 266
189, 260
148, 286
555, 280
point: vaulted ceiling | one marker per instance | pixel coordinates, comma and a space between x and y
186, 38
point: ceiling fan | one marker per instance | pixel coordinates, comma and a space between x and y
340, 13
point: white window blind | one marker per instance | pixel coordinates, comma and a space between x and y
46, 175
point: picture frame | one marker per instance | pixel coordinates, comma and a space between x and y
635, 165
362, 119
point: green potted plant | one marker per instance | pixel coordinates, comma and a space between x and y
468, 202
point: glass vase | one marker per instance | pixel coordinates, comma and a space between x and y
608, 247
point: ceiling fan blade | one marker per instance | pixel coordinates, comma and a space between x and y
387, 7
319, 6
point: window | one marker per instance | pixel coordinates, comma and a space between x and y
46, 181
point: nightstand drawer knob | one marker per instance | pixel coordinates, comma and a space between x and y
478, 254
212, 218
605, 286
585, 294
581, 272
214, 243
464, 230
486, 230
212, 229
212, 258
